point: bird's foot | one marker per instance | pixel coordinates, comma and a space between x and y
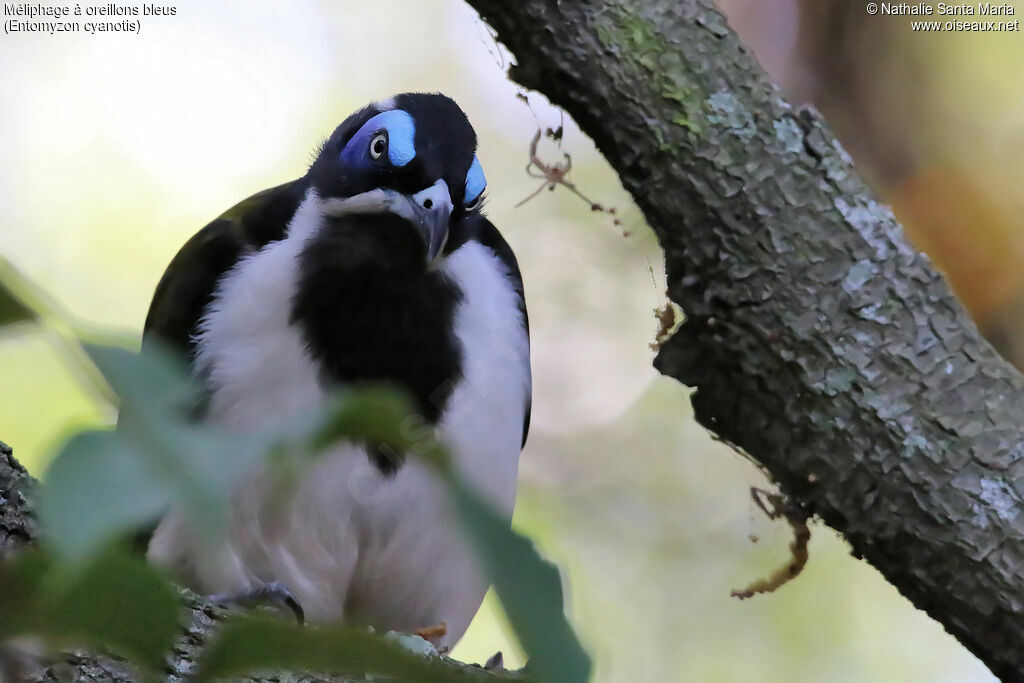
273, 594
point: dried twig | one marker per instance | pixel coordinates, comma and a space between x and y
797, 518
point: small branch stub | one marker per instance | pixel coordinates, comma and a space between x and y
668, 321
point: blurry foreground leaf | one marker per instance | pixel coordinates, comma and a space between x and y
248, 644
154, 379
373, 414
103, 484
13, 309
96, 488
530, 590
116, 602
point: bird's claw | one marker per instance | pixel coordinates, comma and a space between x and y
274, 594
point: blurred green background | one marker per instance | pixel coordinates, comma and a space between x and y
117, 148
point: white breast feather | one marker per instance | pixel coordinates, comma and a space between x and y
247, 348
486, 410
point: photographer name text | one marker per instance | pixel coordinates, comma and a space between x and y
944, 9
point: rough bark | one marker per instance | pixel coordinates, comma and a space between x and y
17, 523
200, 622
817, 340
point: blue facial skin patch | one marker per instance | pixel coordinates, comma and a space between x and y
401, 139
475, 181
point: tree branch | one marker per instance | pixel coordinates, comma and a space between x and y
818, 341
17, 522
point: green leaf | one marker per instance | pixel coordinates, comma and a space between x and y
105, 483
377, 414
116, 602
248, 644
97, 488
13, 309
529, 588
154, 379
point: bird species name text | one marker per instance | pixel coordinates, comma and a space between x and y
34, 17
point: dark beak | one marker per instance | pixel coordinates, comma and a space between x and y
431, 209
428, 210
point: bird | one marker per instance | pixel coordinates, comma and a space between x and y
378, 265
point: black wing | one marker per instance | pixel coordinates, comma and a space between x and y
187, 285
486, 234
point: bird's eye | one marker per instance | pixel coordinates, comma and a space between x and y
378, 145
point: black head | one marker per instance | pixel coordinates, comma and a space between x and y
413, 156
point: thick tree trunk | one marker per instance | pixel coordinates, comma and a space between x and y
817, 340
201, 617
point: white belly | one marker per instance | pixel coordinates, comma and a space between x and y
352, 543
